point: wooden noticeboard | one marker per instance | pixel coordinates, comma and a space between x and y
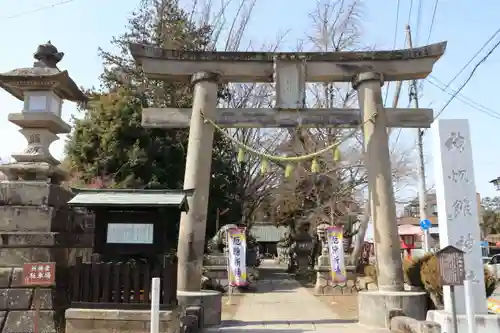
451, 266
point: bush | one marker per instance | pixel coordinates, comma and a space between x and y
490, 282
429, 275
429, 279
424, 273
412, 271
371, 271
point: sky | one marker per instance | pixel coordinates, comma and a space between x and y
78, 28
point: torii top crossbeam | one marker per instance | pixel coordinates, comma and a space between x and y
178, 65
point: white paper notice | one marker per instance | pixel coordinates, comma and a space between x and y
129, 233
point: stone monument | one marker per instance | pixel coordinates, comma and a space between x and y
458, 221
302, 246
35, 224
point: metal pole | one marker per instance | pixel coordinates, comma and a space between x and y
155, 305
37, 301
453, 310
422, 191
217, 226
469, 307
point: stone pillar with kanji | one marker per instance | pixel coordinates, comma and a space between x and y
36, 226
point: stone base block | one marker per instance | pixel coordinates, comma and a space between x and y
209, 300
253, 274
485, 323
218, 275
374, 306
326, 286
33, 193
403, 324
23, 321
124, 321
34, 171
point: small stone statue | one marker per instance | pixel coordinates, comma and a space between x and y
284, 250
320, 244
218, 243
47, 55
321, 231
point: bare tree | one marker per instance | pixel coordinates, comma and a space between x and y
337, 193
227, 35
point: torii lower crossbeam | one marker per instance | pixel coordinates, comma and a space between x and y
271, 118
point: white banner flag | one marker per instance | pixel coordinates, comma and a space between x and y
237, 247
336, 251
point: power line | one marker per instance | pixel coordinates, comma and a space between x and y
409, 13
468, 79
473, 57
461, 96
39, 9
393, 47
432, 21
419, 19
479, 107
396, 27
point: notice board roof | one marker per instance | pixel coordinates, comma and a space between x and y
130, 198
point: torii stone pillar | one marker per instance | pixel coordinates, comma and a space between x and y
197, 177
378, 165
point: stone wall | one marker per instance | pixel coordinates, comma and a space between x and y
17, 303
326, 286
36, 225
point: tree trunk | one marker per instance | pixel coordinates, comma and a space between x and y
358, 245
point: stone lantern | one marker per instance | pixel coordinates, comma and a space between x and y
42, 88
37, 224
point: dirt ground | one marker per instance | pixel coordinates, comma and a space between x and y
230, 306
346, 305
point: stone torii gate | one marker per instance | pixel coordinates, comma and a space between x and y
290, 71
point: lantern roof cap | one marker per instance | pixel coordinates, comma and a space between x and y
43, 75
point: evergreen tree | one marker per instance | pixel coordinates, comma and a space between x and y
110, 144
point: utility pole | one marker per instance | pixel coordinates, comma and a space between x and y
422, 191
396, 94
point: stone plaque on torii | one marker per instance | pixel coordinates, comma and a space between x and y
290, 71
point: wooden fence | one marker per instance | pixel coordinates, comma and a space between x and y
122, 285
